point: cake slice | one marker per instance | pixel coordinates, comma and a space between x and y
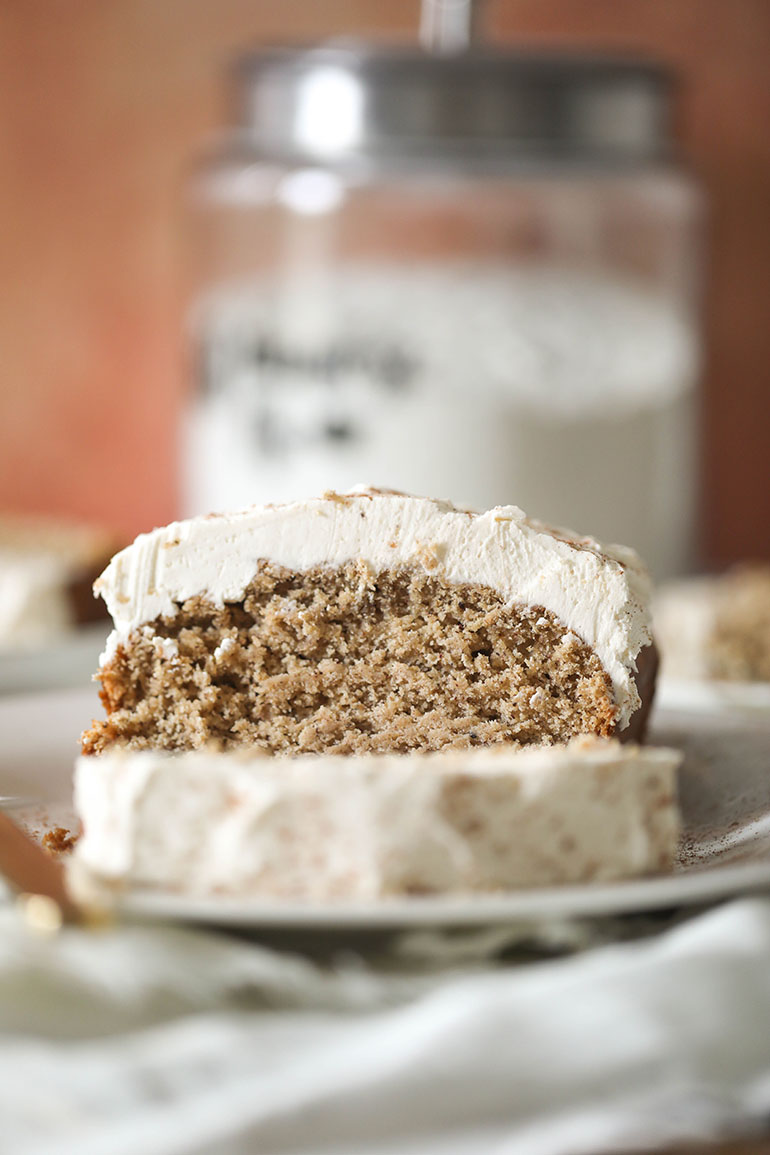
325, 827
47, 568
717, 627
371, 622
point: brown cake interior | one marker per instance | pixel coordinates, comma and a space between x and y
344, 660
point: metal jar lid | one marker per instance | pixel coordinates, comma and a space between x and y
340, 104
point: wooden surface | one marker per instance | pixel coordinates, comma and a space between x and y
104, 101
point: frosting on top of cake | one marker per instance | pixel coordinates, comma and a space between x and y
601, 593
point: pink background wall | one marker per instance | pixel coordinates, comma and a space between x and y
103, 101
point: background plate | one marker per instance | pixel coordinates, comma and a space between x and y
724, 791
68, 661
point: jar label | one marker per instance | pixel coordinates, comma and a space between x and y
481, 384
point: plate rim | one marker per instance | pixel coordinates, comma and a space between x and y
541, 904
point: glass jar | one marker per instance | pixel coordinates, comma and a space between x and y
471, 277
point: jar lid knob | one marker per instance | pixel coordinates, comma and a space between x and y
448, 26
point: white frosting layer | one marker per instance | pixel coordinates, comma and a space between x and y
323, 827
600, 593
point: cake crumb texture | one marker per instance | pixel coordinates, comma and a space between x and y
344, 660
59, 840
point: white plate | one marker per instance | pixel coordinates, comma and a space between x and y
724, 789
64, 662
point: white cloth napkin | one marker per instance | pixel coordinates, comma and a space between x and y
166, 1040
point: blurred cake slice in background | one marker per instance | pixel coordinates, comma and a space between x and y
716, 627
47, 568
372, 622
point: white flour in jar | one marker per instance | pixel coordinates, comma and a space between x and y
568, 393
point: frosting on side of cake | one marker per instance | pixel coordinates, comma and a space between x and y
600, 593
337, 827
